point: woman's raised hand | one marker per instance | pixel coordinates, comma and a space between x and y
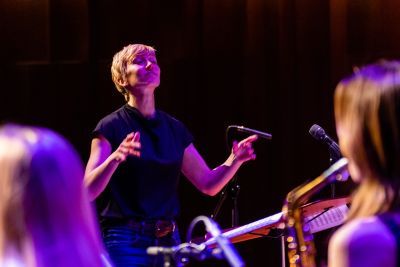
243, 150
129, 146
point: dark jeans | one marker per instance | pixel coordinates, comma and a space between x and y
127, 247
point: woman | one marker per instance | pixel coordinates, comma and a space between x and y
136, 157
367, 112
45, 217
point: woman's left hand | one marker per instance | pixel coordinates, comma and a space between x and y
243, 150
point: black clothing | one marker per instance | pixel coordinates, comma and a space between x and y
144, 187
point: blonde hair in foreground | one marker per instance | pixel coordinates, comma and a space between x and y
45, 216
367, 105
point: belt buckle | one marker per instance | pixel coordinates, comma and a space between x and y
163, 228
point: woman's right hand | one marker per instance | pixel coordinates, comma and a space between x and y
102, 162
129, 146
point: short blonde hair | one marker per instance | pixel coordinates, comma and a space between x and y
120, 61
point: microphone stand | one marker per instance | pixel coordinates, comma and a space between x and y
232, 189
333, 157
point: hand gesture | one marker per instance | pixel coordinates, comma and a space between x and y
243, 151
130, 146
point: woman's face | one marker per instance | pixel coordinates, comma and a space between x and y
143, 72
346, 139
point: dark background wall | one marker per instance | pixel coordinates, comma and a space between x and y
266, 64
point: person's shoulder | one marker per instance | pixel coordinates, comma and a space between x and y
113, 116
355, 232
357, 239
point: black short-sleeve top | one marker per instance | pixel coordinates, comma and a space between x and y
144, 187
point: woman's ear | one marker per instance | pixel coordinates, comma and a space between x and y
122, 83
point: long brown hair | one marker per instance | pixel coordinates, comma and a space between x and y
45, 215
367, 105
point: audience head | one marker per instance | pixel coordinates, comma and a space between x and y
45, 215
367, 113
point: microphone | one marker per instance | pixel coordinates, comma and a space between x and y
251, 131
226, 246
318, 133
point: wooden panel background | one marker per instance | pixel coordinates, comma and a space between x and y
270, 65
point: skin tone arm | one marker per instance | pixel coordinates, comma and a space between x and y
209, 181
103, 162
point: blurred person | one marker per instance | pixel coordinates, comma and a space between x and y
137, 155
45, 216
367, 113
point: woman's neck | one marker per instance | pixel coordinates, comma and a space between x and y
144, 103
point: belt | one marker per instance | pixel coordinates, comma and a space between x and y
157, 228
